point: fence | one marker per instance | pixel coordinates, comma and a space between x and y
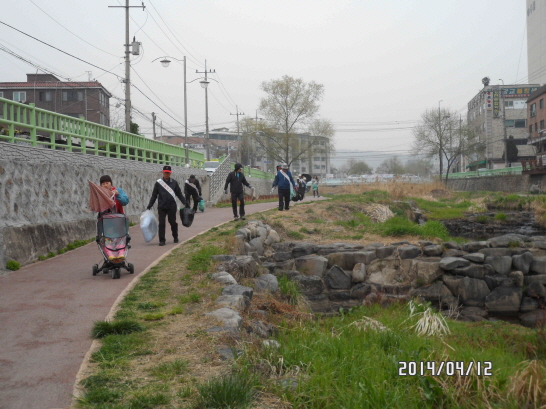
516, 170
26, 124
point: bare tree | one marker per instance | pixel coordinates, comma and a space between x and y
391, 166
291, 131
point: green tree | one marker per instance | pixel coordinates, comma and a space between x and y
135, 128
512, 150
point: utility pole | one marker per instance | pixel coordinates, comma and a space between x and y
440, 138
153, 122
504, 125
238, 136
205, 84
127, 80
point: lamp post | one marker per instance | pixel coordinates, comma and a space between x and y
504, 125
165, 63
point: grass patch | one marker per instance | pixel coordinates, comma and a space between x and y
295, 235
13, 265
116, 327
289, 290
235, 390
501, 217
169, 370
201, 260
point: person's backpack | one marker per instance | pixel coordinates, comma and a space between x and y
187, 215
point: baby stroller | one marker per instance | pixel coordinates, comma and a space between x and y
113, 241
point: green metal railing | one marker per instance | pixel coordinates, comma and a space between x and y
256, 173
516, 170
57, 131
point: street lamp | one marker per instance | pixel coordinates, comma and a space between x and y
504, 125
165, 63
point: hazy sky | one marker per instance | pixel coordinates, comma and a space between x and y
382, 63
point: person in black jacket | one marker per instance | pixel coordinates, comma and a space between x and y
192, 189
237, 179
166, 188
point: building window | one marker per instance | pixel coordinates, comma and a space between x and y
20, 96
72, 96
536, 127
509, 123
303, 169
542, 124
533, 110
520, 123
316, 158
530, 128
1, 95
508, 104
317, 166
541, 103
45, 96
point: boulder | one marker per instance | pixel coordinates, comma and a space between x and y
339, 295
540, 244
535, 290
272, 238
347, 260
400, 243
541, 278
312, 265
384, 252
469, 291
475, 246
282, 256
528, 304
451, 263
474, 311
229, 318
451, 245
425, 243
361, 290
433, 250
437, 293
494, 281
508, 240
283, 266
237, 289
504, 301
303, 249
319, 303
262, 232
241, 267
235, 302
496, 252
309, 285
284, 246
337, 279
359, 273
517, 278
266, 283
425, 271
224, 277
522, 262
244, 233
454, 253
473, 271
501, 264
391, 276
533, 319
538, 265
373, 246
261, 329
258, 245
475, 257
408, 252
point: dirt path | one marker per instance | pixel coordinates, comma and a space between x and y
47, 310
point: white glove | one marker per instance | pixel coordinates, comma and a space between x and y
272, 190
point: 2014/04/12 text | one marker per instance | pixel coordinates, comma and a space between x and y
449, 368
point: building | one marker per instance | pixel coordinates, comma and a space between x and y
536, 41
86, 100
537, 131
496, 113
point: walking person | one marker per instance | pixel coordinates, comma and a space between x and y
192, 190
314, 186
236, 180
302, 186
168, 190
284, 181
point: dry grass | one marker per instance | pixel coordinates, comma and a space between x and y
397, 190
528, 385
470, 391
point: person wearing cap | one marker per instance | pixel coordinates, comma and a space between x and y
284, 181
236, 180
167, 188
192, 190
121, 198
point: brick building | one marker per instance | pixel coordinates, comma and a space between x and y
496, 111
86, 100
536, 122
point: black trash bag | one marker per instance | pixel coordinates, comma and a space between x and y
186, 215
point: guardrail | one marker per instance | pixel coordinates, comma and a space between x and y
516, 170
258, 174
26, 124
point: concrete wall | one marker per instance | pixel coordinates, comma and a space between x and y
44, 196
511, 184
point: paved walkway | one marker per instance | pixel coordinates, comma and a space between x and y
47, 310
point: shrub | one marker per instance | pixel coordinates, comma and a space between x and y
481, 219
13, 265
230, 391
501, 217
117, 327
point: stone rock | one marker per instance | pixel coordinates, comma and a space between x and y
360, 291
504, 300
260, 328
235, 302
538, 265
451, 245
425, 243
508, 240
533, 319
541, 244
287, 265
475, 246
373, 246
243, 232
237, 289
347, 260
475, 257
494, 281
256, 257
224, 277
337, 279
407, 252
228, 317
400, 243
454, 253
262, 232
222, 257
433, 250
391, 276
384, 252
473, 271
535, 290
303, 249
339, 295
270, 267
284, 246
272, 238
517, 277
501, 264
241, 267
522, 262
425, 271
469, 291
309, 285
319, 303
359, 273
258, 245
312, 265
437, 293
534, 189
528, 304
496, 252
474, 311
541, 278
282, 256
451, 263
266, 283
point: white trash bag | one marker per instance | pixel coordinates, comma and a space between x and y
148, 225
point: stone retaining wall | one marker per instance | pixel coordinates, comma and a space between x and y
508, 183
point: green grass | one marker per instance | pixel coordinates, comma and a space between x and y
295, 235
169, 370
117, 327
501, 217
200, 261
235, 390
13, 265
443, 209
289, 290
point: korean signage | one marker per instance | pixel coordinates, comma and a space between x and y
496, 103
522, 92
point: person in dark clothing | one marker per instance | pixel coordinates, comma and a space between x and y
167, 188
236, 180
192, 189
284, 181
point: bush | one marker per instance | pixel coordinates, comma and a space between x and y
13, 265
230, 391
118, 327
501, 217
